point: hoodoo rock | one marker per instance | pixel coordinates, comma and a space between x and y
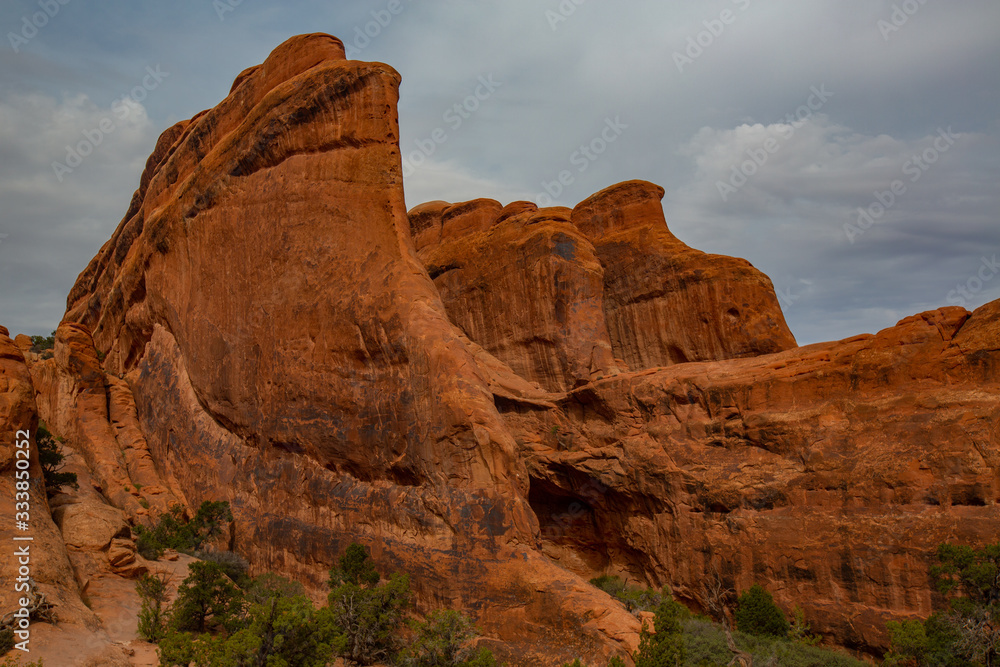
502, 401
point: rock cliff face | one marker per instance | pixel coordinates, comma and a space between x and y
38, 567
502, 401
565, 296
667, 303
828, 473
298, 362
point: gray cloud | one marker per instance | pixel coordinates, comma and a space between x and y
559, 83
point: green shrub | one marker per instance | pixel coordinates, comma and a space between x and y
172, 531
918, 643
368, 610
443, 640
967, 631
756, 614
152, 590
186, 648
269, 585
206, 599
634, 598
41, 343
664, 647
233, 565
278, 631
274, 624
706, 646
799, 629
51, 458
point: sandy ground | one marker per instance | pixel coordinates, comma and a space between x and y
113, 644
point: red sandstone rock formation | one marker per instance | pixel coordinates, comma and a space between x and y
298, 362
558, 295
667, 303
44, 555
444, 387
95, 411
527, 288
828, 473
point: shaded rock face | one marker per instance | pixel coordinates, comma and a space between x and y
97, 413
502, 401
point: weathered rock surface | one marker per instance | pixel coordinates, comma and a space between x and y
96, 412
566, 297
43, 556
277, 332
528, 289
300, 364
667, 303
828, 473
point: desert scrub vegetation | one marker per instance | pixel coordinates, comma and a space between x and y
173, 531
679, 638
222, 616
51, 458
634, 598
965, 631
217, 620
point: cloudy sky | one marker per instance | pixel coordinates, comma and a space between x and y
848, 148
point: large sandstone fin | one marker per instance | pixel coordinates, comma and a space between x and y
288, 352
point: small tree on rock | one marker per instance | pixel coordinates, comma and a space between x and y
206, 599
50, 458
